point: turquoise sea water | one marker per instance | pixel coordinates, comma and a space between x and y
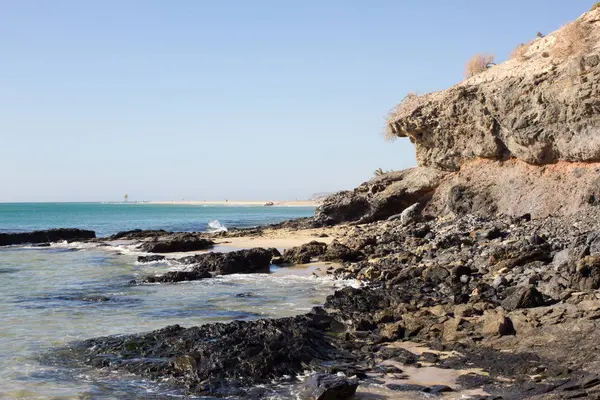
107, 219
52, 296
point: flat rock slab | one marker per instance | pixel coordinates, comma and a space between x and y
46, 236
177, 242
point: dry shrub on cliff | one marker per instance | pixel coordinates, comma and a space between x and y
409, 102
478, 63
595, 6
571, 40
520, 52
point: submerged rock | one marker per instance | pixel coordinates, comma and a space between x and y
179, 276
146, 259
50, 235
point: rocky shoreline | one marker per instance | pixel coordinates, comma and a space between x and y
486, 256
513, 298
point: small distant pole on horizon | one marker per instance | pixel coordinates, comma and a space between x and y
126, 198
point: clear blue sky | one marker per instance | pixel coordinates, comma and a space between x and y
263, 99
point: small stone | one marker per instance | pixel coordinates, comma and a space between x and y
498, 282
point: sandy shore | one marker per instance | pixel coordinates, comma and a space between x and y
283, 238
282, 203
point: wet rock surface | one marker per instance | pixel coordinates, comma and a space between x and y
211, 264
176, 242
203, 359
501, 294
328, 387
152, 258
46, 236
137, 234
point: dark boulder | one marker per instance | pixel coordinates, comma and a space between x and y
209, 264
177, 242
137, 234
305, 253
234, 262
409, 387
247, 352
523, 297
50, 235
380, 198
328, 387
587, 276
179, 276
339, 252
152, 258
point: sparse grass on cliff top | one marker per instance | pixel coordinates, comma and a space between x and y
410, 101
520, 52
478, 63
572, 39
595, 6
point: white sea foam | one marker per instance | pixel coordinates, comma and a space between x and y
75, 245
216, 226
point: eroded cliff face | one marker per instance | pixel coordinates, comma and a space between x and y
522, 137
541, 108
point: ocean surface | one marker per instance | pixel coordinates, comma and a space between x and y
109, 218
51, 297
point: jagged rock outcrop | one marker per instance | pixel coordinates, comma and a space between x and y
522, 137
137, 234
204, 358
381, 197
210, 264
176, 242
541, 108
303, 254
46, 236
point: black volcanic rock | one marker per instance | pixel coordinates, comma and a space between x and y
328, 387
304, 253
152, 258
138, 234
50, 235
209, 264
177, 242
247, 351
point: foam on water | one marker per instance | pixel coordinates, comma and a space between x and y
53, 296
216, 226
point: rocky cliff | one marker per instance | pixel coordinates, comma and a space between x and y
520, 137
541, 108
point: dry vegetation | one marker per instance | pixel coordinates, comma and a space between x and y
595, 6
478, 63
410, 101
572, 40
520, 52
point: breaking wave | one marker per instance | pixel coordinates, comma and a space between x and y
216, 226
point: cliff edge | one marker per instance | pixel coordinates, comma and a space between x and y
519, 137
